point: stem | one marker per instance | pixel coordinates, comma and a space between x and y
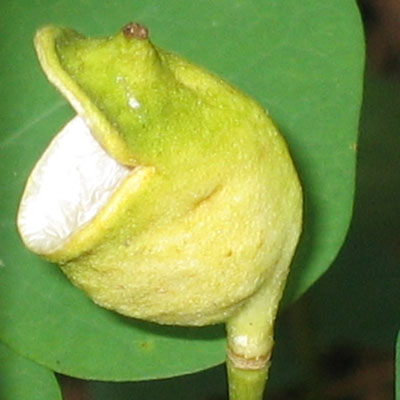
250, 342
246, 384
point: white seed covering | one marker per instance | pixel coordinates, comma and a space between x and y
69, 185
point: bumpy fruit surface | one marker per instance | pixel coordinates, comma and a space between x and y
180, 203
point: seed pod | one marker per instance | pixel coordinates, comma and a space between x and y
170, 197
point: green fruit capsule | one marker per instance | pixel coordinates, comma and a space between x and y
170, 197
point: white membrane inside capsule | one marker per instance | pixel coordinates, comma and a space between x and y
69, 185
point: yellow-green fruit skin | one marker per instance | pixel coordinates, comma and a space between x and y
213, 204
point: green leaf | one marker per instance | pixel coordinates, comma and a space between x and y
22, 379
363, 283
302, 60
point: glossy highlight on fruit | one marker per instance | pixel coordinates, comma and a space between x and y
170, 197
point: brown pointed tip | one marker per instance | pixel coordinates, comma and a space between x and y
135, 31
